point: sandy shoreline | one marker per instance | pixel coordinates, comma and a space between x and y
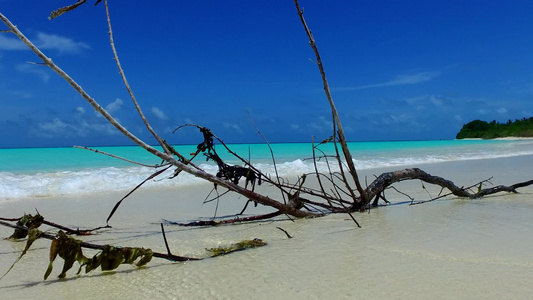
509, 138
451, 248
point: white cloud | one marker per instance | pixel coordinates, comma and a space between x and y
400, 119
7, 43
80, 110
419, 103
21, 94
232, 126
296, 128
44, 41
53, 127
159, 113
501, 110
321, 124
76, 128
105, 128
111, 108
39, 70
403, 79
527, 114
435, 100
114, 106
60, 43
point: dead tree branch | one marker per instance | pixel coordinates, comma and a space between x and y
264, 200
117, 157
387, 179
127, 85
96, 246
335, 115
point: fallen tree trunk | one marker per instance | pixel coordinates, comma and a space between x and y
386, 180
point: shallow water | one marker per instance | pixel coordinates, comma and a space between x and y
446, 249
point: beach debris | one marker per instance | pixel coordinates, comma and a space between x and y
243, 245
69, 249
231, 173
58, 12
27, 221
285, 231
111, 257
336, 192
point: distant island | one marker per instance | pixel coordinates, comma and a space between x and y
485, 130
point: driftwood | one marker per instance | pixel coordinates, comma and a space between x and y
387, 179
338, 191
167, 256
343, 193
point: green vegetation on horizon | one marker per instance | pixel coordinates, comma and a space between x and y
485, 130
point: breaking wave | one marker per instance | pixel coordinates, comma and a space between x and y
69, 182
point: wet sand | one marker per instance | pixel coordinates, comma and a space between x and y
447, 249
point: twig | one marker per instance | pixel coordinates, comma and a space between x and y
337, 122
100, 247
351, 216
228, 221
134, 189
74, 231
125, 80
271, 154
169, 255
288, 235
62, 10
118, 157
206, 200
64, 228
35, 63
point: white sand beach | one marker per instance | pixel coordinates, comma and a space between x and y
509, 138
448, 249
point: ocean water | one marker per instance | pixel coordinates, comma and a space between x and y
42, 172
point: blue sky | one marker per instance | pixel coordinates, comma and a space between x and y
398, 70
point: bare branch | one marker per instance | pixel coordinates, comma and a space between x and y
62, 10
125, 80
386, 179
118, 157
336, 118
100, 247
271, 154
134, 189
285, 231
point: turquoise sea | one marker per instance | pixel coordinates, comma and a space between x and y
39, 172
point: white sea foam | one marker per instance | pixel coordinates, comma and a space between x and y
43, 184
